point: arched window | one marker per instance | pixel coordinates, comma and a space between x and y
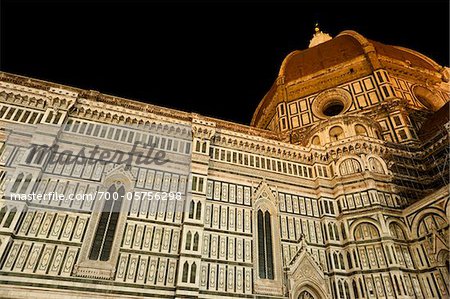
198, 212
349, 166
393, 253
107, 224
336, 133
195, 247
396, 231
344, 235
191, 209
334, 290
366, 231
10, 217
17, 182
341, 290
315, 140
397, 286
335, 260
184, 277
349, 260
330, 231
341, 260
361, 287
188, 241
2, 213
355, 290
25, 185
347, 291
265, 251
204, 147
355, 258
389, 256
375, 165
430, 223
193, 272
360, 130
336, 233
197, 146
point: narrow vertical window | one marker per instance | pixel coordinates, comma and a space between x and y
25, 185
191, 210
184, 278
188, 241
17, 182
198, 211
265, 250
10, 218
106, 228
269, 252
193, 272
349, 260
355, 290
195, 247
2, 213
261, 251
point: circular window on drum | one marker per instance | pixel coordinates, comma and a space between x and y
333, 108
331, 103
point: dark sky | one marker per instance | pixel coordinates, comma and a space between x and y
214, 58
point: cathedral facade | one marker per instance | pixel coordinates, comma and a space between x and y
337, 189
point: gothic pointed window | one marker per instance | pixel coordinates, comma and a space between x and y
188, 241
193, 272
10, 218
17, 182
349, 260
195, 247
341, 261
198, 211
355, 290
2, 213
265, 250
184, 278
107, 224
191, 210
25, 185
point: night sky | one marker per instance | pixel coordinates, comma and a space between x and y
214, 58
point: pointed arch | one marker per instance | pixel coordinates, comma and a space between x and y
107, 224
347, 291
355, 289
341, 261
198, 212
25, 184
349, 260
195, 246
2, 213
184, 277
17, 182
188, 241
191, 209
193, 272
10, 218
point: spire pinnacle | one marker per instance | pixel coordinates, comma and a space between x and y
318, 37
316, 27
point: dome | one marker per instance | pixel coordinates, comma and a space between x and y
344, 47
303, 63
327, 56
